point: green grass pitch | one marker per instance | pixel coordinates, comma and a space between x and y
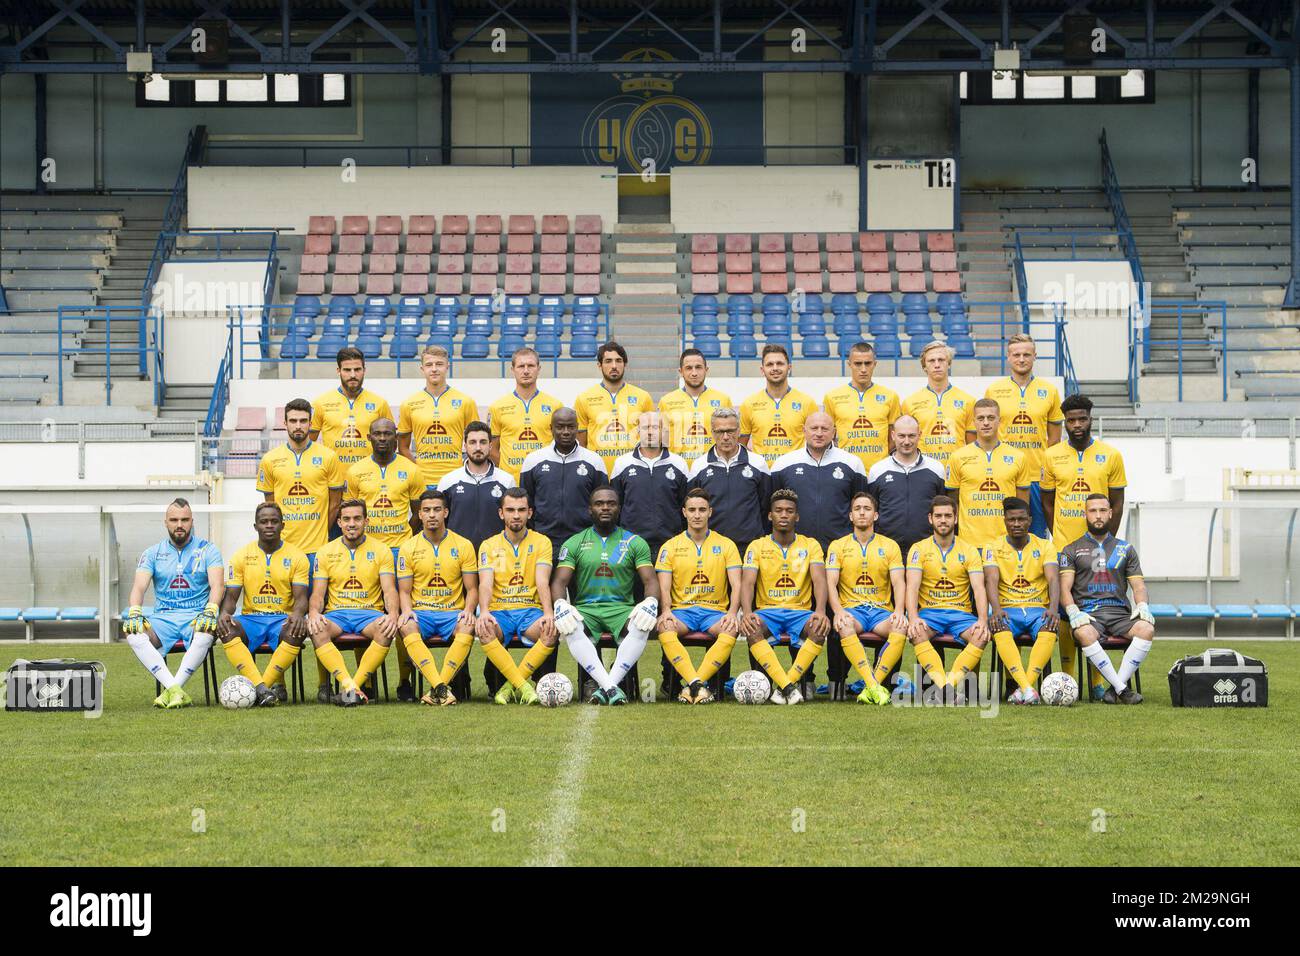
652, 784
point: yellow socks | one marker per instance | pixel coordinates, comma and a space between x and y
857, 655
889, 655
804, 659
716, 656
766, 658
1040, 654
534, 658
281, 660
456, 657
422, 658
404, 668
1068, 647
329, 655
322, 675
241, 659
968, 660
1010, 654
501, 659
931, 663
371, 661
678, 657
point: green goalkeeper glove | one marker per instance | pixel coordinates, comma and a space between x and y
207, 621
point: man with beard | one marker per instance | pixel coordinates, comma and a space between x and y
474, 490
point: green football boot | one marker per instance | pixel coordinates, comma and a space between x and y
505, 695
874, 694
616, 697
527, 695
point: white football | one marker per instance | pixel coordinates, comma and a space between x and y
236, 693
554, 690
1059, 689
751, 687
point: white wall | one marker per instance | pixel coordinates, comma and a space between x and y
108, 464
906, 194
250, 196
193, 297
1096, 295
765, 199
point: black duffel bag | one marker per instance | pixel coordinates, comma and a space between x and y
55, 685
1220, 677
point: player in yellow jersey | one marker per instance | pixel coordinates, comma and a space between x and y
771, 421
942, 410
389, 484
514, 598
866, 590
521, 421
271, 576
608, 412
945, 584
1031, 417
1024, 591
353, 593
862, 410
341, 417
783, 591
305, 478
431, 424
982, 474
699, 591
437, 588
688, 411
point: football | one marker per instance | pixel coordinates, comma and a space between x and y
751, 687
236, 693
554, 690
1059, 689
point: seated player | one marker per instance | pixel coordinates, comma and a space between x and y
605, 560
271, 575
514, 598
1096, 573
1024, 591
945, 584
437, 590
865, 587
353, 593
188, 582
699, 591
783, 591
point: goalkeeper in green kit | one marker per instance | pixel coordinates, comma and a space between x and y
605, 560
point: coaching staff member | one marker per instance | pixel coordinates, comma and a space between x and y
738, 482
904, 483
559, 479
651, 484
825, 479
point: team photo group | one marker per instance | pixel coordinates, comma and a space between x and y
868, 520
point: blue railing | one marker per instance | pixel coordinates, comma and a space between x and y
216, 415
171, 222
1123, 227
148, 345
1140, 338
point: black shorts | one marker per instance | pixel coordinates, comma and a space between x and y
1114, 621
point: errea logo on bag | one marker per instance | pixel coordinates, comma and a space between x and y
1225, 691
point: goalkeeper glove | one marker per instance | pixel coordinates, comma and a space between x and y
1143, 610
645, 615
206, 623
1077, 618
135, 621
567, 619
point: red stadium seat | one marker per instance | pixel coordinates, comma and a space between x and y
555, 225
519, 265
482, 284
415, 283
352, 245
451, 245
740, 283
808, 281
586, 244
487, 243
839, 242
742, 262
871, 242
379, 284
943, 262
908, 262
704, 242
449, 285
587, 225
456, 225
519, 284
384, 245
552, 284
451, 265
807, 262
388, 225
704, 262
907, 242
523, 225
940, 242
947, 282
911, 282
586, 285
875, 262
777, 282
520, 244
555, 245
249, 418
487, 225
311, 285
318, 245
704, 283
321, 225
419, 243
767, 262
586, 264
553, 264
421, 225
739, 242
415, 263
805, 242
839, 261
356, 225
844, 281
314, 265
877, 282
345, 285
771, 242
485, 265
347, 265
383, 265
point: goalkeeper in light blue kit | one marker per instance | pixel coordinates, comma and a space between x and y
188, 582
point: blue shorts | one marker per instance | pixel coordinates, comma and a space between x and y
697, 618
784, 620
868, 615
1037, 516
945, 621
514, 623
261, 630
353, 620
1025, 621
311, 570
437, 624
172, 627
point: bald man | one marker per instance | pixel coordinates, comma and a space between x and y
825, 479
904, 483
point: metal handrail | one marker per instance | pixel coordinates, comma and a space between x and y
171, 221
216, 414
150, 348
1124, 227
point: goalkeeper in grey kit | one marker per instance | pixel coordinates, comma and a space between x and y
603, 561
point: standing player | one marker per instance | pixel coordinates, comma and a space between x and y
342, 417
1096, 572
1031, 416
521, 421
945, 584
699, 589
983, 474
866, 588
514, 598
771, 421
272, 577
1024, 591
431, 424
437, 588
688, 411
862, 410
608, 412
605, 560
474, 490
942, 410
783, 591
188, 583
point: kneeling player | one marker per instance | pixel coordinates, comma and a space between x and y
865, 586
944, 576
783, 591
272, 576
437, 586
699, 590
1096, 573
605, 559
1024, 592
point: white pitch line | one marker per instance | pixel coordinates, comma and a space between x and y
552, 843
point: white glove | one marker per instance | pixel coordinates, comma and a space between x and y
1077, 618
1143, 610
645, 615
567, 619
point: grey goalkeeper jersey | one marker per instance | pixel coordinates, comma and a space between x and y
1101, 571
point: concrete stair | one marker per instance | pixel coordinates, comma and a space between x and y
647, 300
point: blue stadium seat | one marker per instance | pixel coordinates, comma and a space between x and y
704, 319
548, 346
882, 316
334, 335
740, 315
583, 345
812, 316
949, 302
40, 613
816, 346
743, 346
377, 305
474, 346
447, 306
586, 317
1202, 612
887, 346
1273, 612
294, 345
1163, 610
302, 319
342, 305
11, 614
847, 318
963, 346
710, 346
79, 613
550, 316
